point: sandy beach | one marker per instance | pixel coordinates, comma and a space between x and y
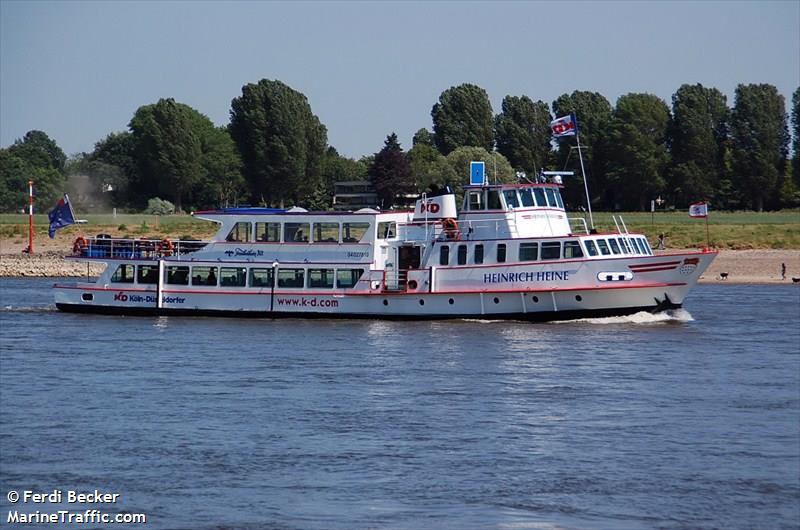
741, 266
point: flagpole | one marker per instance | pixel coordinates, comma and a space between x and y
708, 238
585, 183
30, 217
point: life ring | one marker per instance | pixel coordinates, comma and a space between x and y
450, 228
79, 245
166, 247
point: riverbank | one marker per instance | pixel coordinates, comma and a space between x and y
736, 266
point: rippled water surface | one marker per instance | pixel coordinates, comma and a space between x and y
680, 422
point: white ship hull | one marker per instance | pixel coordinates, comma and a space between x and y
538, 292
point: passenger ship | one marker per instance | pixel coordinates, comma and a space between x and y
511, 253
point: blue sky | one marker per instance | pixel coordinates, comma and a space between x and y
79, 70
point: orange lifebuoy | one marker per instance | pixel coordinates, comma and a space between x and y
166, 247
79, 245
450, 228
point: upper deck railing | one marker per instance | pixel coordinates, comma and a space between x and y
108, 247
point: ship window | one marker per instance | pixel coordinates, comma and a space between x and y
270, 232
501, 253
629, 245
558, 199
539, 194
387, 230
591, 248
528, 251
601, 243
511, 199
353, 232
232, 276
177, 275
526, 197
326, 232
614, 247
551, 250
240, 233
290, 278
493, 200
551, 197
347, 278
444, 255
204, 276
638, 243
622, 245
260, 277
147, 274
572, 249
646, 245
320, 278
462, 254
478, 254
123, 274
296, 232
475, 202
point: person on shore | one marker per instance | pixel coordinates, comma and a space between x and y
661, 242
783, 271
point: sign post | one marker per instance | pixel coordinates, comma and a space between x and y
29, 250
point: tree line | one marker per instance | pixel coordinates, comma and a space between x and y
275, 152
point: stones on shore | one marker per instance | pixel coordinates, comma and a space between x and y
44, 264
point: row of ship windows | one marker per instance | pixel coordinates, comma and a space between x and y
208, 276
524, 197
550, 250
323, 232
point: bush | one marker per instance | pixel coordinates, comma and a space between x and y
156, 206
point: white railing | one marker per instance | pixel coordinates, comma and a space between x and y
580, 221
108, 247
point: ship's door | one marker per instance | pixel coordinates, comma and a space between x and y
408, 257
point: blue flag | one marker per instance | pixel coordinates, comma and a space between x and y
61, 216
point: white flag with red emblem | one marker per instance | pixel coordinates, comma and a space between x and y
698, 209
564, 126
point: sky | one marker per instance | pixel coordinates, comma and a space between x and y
79, 70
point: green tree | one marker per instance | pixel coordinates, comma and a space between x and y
14, 176
113, 162
593, 112
498, 170
698, 137
390, 172
429, 168
760, 141
522, 130
463, 117
424, 137
169, 148
336, 168
281, 141
638, 154
39, 150
222, 183
35, 157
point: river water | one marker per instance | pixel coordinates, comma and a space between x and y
686, 421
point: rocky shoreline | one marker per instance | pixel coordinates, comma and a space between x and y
731, 266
